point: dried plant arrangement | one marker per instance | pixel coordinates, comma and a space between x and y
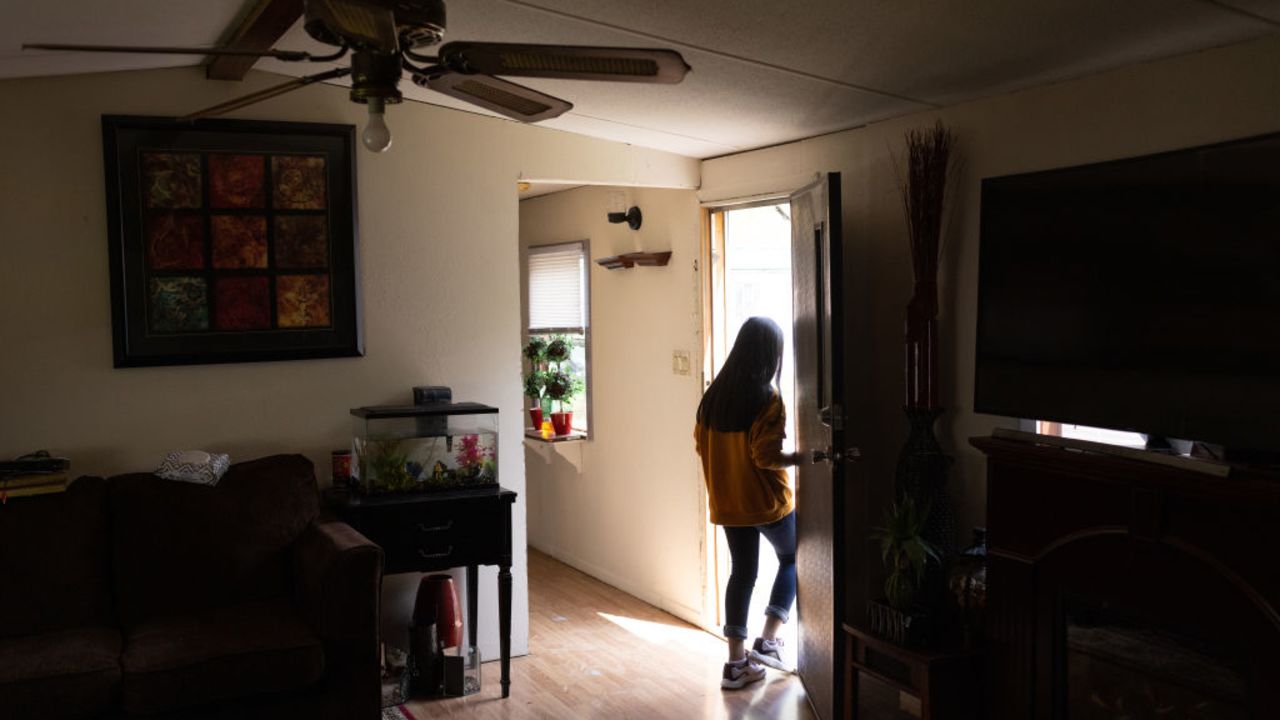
924, 187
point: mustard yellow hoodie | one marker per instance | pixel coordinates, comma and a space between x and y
746, 482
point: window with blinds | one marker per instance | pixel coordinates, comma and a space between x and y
559, 305
558, 288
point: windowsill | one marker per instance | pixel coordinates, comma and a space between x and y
535, 435
566, 448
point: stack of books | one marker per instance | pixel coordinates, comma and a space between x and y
12, 486
34, 474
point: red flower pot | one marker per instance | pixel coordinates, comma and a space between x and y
535, 416
562, 422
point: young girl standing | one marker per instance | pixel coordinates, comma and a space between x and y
739, 430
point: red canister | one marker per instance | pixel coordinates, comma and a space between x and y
437, 603
341, 467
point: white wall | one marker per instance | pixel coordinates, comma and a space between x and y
627, 506
439, 259
1201, 98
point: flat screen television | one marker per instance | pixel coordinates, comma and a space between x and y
1139, 294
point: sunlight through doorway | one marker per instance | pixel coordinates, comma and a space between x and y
750, 275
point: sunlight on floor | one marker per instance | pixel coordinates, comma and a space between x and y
686, 637
775, 698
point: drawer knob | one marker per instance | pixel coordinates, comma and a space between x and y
423, 527
431, 556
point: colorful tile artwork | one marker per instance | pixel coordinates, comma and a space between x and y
175, 242
171, 180
242, 303
302, 300
177, 304
237, 181
299, 182
239, 241
302, 241
235, 242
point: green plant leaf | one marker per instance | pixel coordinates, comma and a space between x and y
535, 350
904, 550
534, 383
559, 348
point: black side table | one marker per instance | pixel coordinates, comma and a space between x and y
948, 682
438, 531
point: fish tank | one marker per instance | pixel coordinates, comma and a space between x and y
424, 448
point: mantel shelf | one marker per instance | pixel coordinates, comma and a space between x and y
643, 259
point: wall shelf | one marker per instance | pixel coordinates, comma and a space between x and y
643, 259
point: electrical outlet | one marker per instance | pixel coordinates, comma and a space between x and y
680, 362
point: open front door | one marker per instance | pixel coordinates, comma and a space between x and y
817, 269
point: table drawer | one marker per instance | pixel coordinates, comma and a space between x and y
422, 538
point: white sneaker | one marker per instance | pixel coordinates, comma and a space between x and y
740, 674
769, 652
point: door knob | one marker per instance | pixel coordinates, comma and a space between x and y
849, 455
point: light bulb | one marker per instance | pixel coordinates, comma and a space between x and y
376, 135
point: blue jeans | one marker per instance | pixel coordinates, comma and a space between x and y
744, 554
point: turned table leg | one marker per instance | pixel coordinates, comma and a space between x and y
504, 625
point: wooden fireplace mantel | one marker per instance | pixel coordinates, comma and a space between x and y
1176, 546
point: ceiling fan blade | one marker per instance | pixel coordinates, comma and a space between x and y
571, 62
266, 94
288, 55
515, 101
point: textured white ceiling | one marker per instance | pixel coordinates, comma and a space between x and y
183, 23
764, 72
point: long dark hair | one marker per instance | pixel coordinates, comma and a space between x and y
746, 382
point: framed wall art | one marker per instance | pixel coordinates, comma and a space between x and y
231, 240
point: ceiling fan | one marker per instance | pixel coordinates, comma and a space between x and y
387, 38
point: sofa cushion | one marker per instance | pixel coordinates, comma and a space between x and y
218, 654
180, 547
70, 673
55, 568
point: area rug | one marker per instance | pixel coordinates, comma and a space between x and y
397, 712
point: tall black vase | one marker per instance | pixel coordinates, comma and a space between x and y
922, 476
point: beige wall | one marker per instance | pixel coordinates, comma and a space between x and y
439, 273
1201, 98
626, 506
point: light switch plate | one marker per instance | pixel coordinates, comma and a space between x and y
680, 362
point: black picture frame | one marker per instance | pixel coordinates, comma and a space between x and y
216, 257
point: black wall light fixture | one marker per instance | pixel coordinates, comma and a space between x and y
631, 217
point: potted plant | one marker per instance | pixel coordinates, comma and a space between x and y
534, 382
535, 351
557, 350
562, 387
560, 384
906, 554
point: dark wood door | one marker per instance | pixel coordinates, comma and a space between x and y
817, 269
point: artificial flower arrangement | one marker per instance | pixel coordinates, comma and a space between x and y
476, 465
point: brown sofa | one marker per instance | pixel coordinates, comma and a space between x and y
138, 596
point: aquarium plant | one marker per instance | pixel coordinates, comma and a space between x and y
476, 464
389, 466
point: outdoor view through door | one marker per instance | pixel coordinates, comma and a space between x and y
750, 276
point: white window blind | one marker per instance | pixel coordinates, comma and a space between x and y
557, 287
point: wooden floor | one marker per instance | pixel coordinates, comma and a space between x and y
596, 652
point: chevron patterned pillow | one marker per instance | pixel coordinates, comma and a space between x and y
194, 466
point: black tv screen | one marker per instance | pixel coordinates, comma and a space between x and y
1139, 294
